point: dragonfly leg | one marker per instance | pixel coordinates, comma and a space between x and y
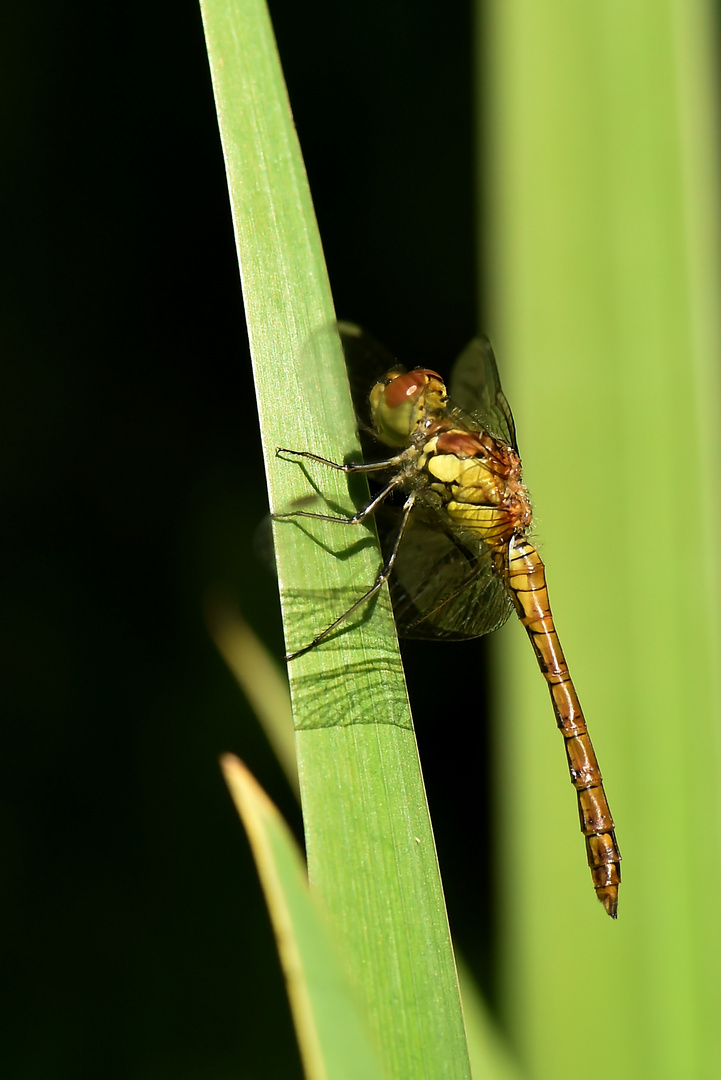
349, 466
354, 519
383, 575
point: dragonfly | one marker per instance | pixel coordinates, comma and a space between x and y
459, 558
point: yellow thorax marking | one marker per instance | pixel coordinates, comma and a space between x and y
446, 467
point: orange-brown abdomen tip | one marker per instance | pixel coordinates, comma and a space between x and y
608, 896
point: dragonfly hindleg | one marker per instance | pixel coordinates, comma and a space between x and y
383, 575
354, 519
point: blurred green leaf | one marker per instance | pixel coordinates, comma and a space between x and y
260, 678
602, 155
333, 1041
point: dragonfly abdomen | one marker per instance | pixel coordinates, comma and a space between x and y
527, 582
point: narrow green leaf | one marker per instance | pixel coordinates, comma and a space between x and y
604, 271
334, 1043
370, 848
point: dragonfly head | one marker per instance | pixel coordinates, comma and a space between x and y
402, 400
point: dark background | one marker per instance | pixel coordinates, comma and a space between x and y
137, 943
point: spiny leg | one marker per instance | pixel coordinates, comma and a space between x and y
349, 466
383, 576
354, 519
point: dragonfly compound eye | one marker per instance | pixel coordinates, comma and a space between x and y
400, 401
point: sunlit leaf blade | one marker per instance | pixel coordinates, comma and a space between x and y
370, 848
333, 1041
602, 162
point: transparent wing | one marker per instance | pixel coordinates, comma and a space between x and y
444, 584
367, 361
475, 388
475, 385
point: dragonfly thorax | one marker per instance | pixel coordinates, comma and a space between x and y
479, 480
406, 402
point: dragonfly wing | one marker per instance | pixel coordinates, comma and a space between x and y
444, 584
475, 387
367, 361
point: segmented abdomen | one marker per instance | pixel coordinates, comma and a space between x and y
527, 582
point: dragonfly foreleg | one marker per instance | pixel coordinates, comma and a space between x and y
383, 575
349, 466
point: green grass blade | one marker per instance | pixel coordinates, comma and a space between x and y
370, 848
604, 272
334, 1043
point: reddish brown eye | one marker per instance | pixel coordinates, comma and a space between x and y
408, 387
403, 388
